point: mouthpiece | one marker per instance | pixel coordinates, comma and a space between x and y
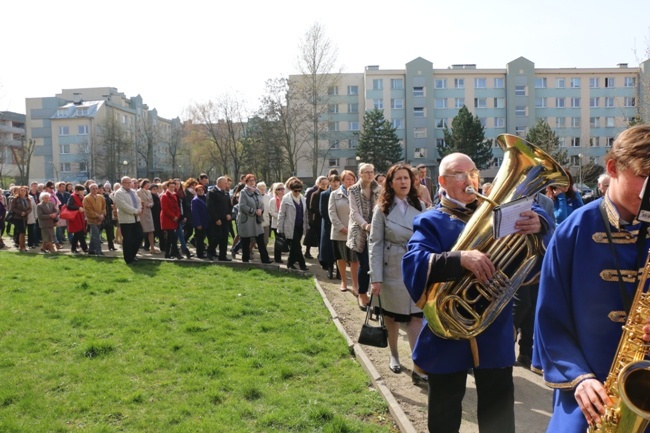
471, 190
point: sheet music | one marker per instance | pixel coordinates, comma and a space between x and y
506, 216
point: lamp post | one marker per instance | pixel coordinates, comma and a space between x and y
126, 165
580, 170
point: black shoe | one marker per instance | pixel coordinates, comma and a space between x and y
91, 252
418, 380
330, 274
308, 256
524, 361
179, 256
267, 262
304, 268
279, 261
291, 266
225, 259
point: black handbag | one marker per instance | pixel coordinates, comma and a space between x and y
376, 336
281, 243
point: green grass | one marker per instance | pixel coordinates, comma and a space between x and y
96, 346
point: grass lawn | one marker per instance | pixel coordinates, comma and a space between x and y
92, 345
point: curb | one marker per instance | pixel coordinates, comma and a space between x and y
394, 408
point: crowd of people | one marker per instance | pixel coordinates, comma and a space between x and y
395, 233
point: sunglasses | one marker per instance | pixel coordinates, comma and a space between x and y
279, 189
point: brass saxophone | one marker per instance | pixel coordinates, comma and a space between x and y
628, 380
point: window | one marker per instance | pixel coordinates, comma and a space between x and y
440, 83
420, 152
353, 90
353, 143
64, 130
378, 104
397, 123
441, 123
397, 104
333, 162
418, 91
333, 126
540, 83
629, 102
559, 102
609, 82
441, 102
609, 141
575, 160
83, 166
459, 102
479, 83
332, 91
594, 141
629, 82
499, 83
594, 122
593, 82
64, 149
499, 122
418, 111
82, 111
377, 84
540, 102
480, 102
575, 122
520, 131
575, 141
560, 83
575, 83
396, 84
483, 121
440, 142
498, 161
499, 102
609, 102
520, 110
334, 144
353, 108
459, 83
520, 90
353, 126
419, 132
610, 122
593, 102
333, 108
124, 119
560, 122
63, 112
575, 102
65, 166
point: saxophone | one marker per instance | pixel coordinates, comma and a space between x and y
628, 380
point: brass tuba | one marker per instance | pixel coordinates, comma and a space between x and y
628, 381
464, 308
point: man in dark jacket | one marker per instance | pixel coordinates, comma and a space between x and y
219, 208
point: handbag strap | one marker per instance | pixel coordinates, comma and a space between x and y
369, 310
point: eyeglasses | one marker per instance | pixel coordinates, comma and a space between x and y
368, 172
462, 175
279, 189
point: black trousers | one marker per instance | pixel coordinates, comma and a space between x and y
171, 243
246, 248
523, 311
199, 242
295, 250
79, 239
131, 240
218, 237
496, 400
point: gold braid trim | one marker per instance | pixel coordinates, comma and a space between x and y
617, 316
572, 384
624, 237
610, 275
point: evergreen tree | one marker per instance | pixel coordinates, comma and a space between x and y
467, 136
378, 142
546, 139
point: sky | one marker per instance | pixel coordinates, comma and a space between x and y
175, 54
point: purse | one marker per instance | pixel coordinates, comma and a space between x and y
66, 213
281, 243
376, 336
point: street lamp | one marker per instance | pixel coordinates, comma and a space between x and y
126, 169
580, 170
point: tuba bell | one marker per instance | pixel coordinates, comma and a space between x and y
464, 308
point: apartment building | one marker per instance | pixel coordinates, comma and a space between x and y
586, 107
12, 141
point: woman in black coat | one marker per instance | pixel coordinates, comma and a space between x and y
326, 251
312, 237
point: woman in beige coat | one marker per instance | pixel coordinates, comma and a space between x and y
146, 218
339, 213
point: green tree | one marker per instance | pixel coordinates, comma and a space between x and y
546, 139
467, 136
378, 142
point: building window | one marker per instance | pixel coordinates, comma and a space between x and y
575, 141
520, 110
418, 112
560, 83
397, 123
397, 104
540, 102
83, 166
575, 122
499, 122
441, 123
559, 103
353, 108
560, 122
609, 102
520, 90
629, 82
64, 130
332, 91
594, 141
440, 83
440, 142
65, 167
353, 126
419, 132
479, 83
82, 130
594, 122
593, 82
333, 126
480, 102
63, 112
334, 144
540, 83
418, 91
333, 108
498, 161
441, 102
377, 84
593, 102
64, 149
499, 83
353, 90
353, 143
333, 162
459, 83
609, 141
609, 82
575, 160
499, 102
420, 152
483, 121
378, 104
396, 84
459, 102
575, 83
610, 122
629, 102
575, 102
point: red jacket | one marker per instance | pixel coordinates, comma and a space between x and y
79, 222
169, 210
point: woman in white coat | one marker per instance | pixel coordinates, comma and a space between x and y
293, 222
277, 192
391, 229
339, 213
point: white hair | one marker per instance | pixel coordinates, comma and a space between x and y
603, 177
44, 195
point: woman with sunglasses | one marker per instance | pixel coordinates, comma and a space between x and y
292, 222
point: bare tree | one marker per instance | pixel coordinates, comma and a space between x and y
174, 145
23, 158
317, 64
112, 149
643, 87
146, 136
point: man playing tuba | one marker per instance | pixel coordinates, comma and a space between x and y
589, 276
429, 260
